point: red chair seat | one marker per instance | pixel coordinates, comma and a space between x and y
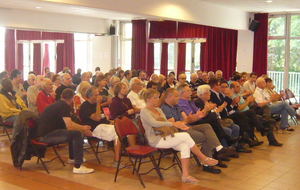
35, 142
8, 124
140, 150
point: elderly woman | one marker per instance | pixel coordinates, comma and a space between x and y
56, 80
153, 117
112, 82
80, 96
136, 86
33, 92
30, 81
45, 96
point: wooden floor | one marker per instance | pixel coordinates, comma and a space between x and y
267, 168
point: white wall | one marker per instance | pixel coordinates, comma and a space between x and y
194, 11
52, 22
245, 51
101, 46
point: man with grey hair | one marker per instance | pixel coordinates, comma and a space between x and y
194, 83
263, 98
136, 86
219, 75
66, 82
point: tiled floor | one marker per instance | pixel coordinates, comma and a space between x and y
267, 168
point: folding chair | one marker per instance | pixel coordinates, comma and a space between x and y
37, 145
291, 98
125, 127
5, 126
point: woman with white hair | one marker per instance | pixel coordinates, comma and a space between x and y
136, 86
45, 96
33, 92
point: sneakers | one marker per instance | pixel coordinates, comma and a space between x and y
83, 170
72, 161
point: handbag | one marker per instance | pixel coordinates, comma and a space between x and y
165, 130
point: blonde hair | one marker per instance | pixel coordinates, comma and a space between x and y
83, 87
149, 93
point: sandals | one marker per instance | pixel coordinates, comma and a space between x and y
209, 161
189, 179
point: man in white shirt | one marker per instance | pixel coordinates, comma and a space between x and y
263, 98
249, 85
136, 86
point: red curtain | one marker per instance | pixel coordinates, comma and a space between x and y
60, 57
186, 30
139, 45
164, 59
150, 60
46, 60
163, 29
181, 58
28, 35
10, 50
260, 51
37, 58
20, 57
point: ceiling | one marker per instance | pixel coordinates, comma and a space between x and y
35, 5
260, 5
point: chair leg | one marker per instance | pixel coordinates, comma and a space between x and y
58, 156
118, 169
40, 159
95, 151
138, 173
156, 167
134, 166
159, 158
7, 134
177, 160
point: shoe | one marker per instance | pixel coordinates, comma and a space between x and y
211, 169
209, 161
189, 179
83, 170
275, 143
221, 164
290, 129
243, 150
253, 143
221, 156
72, 161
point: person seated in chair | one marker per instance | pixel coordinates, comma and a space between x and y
202, 134
90, 114
10, 103
152, 118
262, 98
56, 127
45, 96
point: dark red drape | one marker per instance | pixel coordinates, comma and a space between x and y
20, 57
260, 50
60, 57
150, 59
46, 60
139, 45
164, 59
163, 29
37, 58
181, 58
10, 50
28, 35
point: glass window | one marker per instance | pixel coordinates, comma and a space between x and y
197, 55
2, 49
295, 25
276, 55
157, 57
188, 57
52, 54
277, 26
126, 43
171, 57
127, 31
27, 58
83, 52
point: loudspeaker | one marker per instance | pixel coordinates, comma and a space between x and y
112, 30
253, 26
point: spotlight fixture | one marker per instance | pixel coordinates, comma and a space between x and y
269, 1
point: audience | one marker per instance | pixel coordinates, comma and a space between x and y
136, 86
127, 77
250, 85
30, 81
76, 79
16, 79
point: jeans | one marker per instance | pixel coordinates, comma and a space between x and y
284, 110
74, 138
232, 131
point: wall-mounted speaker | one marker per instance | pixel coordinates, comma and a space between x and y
112, 30
254, 24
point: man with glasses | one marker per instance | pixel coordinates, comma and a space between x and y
65, 83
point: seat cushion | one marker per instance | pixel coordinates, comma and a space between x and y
140, 150
36, 142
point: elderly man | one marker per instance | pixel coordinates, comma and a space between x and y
263, 98
219, 75
204, 79
170, 83
45, 98
202, 134
181, 79
252, 119
66, 82
136, 86
57, 127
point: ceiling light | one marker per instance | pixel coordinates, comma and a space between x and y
38, 7
268, 1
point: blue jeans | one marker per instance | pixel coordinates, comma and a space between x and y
232, 131
284, 110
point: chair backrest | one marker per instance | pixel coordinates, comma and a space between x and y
106, 112
289, 93
125, 126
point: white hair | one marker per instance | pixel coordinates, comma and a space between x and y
203, 89
134, 81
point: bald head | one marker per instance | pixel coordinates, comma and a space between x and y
261, 83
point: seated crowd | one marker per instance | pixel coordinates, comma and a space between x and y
209, 112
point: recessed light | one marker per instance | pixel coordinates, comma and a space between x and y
38, 7
268, 1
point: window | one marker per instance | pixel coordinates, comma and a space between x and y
2, 49
171, 57
83, 51
27, 58
157, 57
126, 40
192, 58
52, 54
284, 52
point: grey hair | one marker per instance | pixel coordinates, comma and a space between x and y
89, 92
134, 81
203, 89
